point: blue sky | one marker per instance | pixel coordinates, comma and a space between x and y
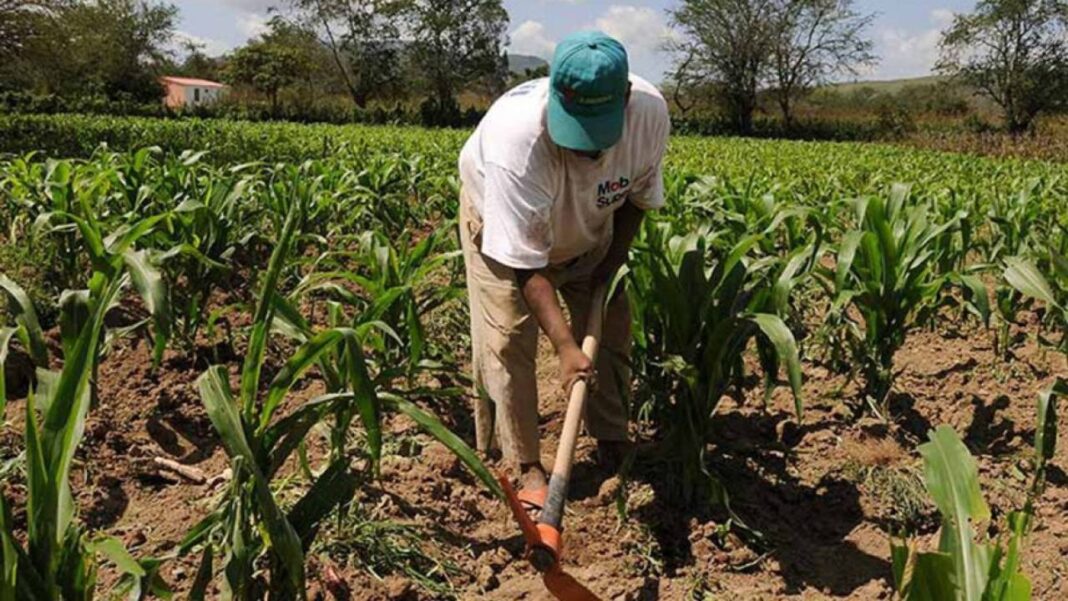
905, 32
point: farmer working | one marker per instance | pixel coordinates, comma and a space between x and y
555, 182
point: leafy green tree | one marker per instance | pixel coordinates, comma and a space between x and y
812, 41
727, 42
108, 48
266, 66
1015, 52
456, 44
115, 47
198, 64
363, 37
17, 23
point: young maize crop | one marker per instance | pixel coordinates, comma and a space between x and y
328, 258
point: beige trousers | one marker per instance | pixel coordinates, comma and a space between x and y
504, 337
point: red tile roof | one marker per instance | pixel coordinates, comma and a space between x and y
191, 81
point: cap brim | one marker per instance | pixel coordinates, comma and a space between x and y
584, 132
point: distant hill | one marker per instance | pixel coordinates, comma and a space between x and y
888, 86
519, 63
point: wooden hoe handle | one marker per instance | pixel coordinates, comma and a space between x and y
552, 514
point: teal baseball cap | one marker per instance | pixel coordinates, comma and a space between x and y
589, 78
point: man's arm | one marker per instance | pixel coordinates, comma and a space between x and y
540, 295
626, 222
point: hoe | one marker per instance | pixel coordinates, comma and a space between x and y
544, 538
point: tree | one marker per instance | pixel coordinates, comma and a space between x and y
266, 67
116, 46
196, 63
364, 41
456, 44
727, 42
110, 48
18, 23
1015, 52
22, 23
812, 41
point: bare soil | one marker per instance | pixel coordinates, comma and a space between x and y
824, 494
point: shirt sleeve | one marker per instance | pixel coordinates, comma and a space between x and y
516, 221
648, 191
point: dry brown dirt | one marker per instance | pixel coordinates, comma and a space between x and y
823, 493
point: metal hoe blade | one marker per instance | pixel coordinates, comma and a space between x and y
560, 584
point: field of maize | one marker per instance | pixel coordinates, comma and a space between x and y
235, 366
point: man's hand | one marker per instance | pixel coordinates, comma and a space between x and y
574, 366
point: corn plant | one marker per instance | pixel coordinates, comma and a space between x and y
198, 246
885, 284
250, 526
59, 560
386, 284
1025, 277
965, 567
694, 314
1018, 223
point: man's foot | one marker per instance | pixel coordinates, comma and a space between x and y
612, 453
532, 476
533, 487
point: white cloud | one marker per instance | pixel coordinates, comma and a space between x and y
906, 53
252, 24
532, 38
643, 31
943, 16
208, 46
252, 5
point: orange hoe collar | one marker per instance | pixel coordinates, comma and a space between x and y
544, 548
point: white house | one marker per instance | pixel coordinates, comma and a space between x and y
189, 91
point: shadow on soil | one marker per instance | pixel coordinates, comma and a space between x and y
803, 526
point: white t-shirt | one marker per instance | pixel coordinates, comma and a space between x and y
544, 205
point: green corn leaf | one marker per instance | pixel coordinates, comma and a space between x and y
74, 313
439, 432
1006, 582
199, 533
214, 386
288, 321
899, 559
257, 346
788, 278
122, 241
1019, 588
305, 357
1060, 265
786, 348
41, 499
205, 572
933, 579
978, 296
367, 399
1025, 277
26, 317
1046, 429
94, 241
5, 340
285, 435
335, 486
10, 555
153, 292
952, 479
416, 335
113, 549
